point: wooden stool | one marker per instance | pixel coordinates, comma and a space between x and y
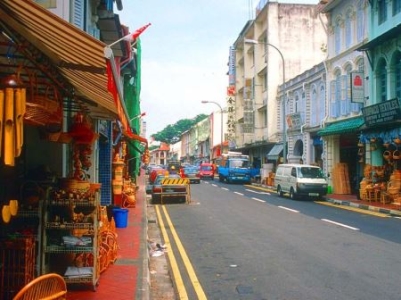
373, 195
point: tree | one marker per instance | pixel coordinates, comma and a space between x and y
172, 133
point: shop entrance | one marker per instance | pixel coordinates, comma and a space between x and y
349, 156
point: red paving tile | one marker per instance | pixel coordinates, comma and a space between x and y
120, 280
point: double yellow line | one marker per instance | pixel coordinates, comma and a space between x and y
182, 292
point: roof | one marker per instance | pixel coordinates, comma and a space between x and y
343, 126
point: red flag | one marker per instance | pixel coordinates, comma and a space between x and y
133, 36
111, 85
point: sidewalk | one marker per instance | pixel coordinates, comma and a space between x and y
134, 271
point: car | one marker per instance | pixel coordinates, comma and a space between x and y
176, 190
206, 170
192, 173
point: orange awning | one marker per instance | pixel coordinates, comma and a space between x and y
78, 56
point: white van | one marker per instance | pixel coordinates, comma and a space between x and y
300, 180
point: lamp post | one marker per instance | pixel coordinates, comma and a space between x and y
250, 41
221, 113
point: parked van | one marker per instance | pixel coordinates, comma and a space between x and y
300, 180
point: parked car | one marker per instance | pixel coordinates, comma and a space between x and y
175, 191
192, 173
300, 180
206, 170
155, 172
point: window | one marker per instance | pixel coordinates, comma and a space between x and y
333, 103
360, 19
337, 37
397, 74
396, 7
348, 30
314, 105
381, 81
322, 103
382, 11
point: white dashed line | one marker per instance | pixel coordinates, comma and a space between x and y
289, 209
256, 192
239, 193
340, 224
258, 199
226, 189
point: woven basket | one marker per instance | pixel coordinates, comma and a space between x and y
70, 184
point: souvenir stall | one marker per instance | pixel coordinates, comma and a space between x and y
380, 153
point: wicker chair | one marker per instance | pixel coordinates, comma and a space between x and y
46, 287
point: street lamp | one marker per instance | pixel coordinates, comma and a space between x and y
221, 112
250, 41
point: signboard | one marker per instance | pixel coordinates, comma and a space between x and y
294, 121
384, 112
357, 87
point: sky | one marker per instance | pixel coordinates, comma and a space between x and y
185, 54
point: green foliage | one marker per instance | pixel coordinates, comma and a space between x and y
172, 133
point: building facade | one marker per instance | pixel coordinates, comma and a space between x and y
282, 41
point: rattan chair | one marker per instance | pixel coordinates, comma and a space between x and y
46, 287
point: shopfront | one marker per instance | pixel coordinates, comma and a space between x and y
62, 130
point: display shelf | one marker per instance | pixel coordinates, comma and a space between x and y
71, 231
69, 226
64, 249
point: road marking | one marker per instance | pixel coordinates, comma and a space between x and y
354, 209
239, 193
260, 188
289, 209
215, 185
340, 224
226, 189
256, 192
191, 272
182, 292
257, 199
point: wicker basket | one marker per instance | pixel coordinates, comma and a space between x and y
70, 184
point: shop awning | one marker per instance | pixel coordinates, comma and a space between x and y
344, 126
78, 56
274, 153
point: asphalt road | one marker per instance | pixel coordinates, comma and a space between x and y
236, 242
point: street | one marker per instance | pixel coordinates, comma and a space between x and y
240, 242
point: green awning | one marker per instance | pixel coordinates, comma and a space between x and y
275, 152
344, 126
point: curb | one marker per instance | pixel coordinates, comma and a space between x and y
391, 212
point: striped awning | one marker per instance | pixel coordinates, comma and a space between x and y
78, 56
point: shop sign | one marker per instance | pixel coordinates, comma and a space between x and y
384, 112
294, 121
357, 87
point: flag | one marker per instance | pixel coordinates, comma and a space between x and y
111, 85
133, 36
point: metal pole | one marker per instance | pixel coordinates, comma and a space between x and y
222, 121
